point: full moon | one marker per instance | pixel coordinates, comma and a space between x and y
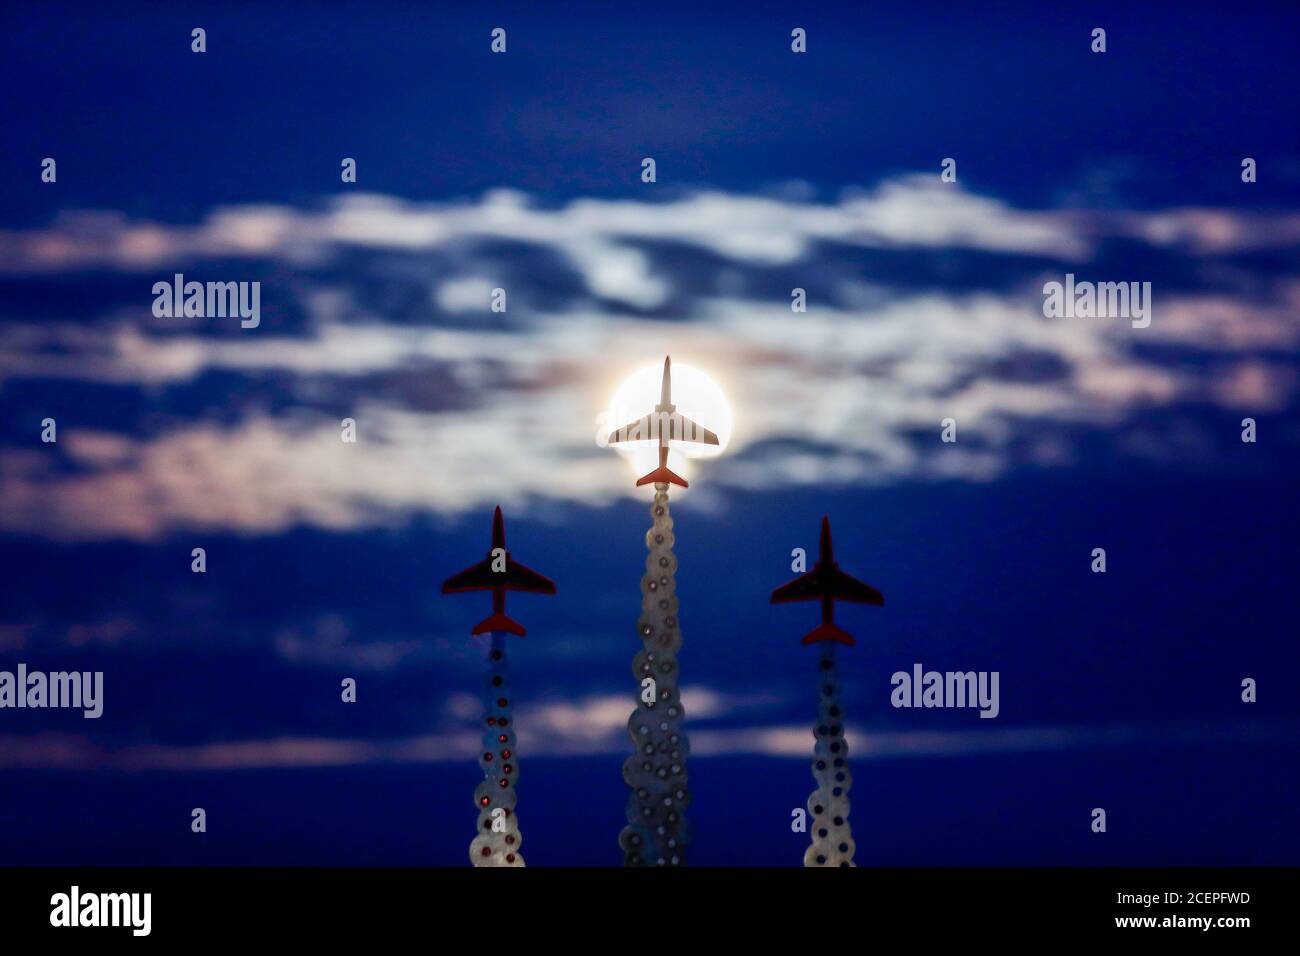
697, 397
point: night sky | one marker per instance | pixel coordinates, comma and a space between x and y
775, 170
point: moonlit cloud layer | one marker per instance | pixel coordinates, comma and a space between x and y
597, 728
924, 303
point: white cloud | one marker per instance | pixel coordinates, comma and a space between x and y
465, 294
910, 211
534, 438
65, 751
835, 395
618, 273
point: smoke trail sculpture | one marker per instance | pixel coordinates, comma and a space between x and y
498, 839
657, 833
832, 837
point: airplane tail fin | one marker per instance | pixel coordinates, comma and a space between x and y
662, 475
499, 622
828, 632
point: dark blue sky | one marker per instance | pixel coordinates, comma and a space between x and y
1118, 690
713, 92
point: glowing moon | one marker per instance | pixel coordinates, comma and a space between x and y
696, 395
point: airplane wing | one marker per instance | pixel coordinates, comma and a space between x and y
841, 587
803, 588
683, 429
478, 578
639, 430
845, 587
516, 577
678, 427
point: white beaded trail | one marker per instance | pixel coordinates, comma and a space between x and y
498, 840
657, 833
828, 805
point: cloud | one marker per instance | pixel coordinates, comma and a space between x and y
914, 210
1255, 386
457, 407
326, 642
1211, 231
54, 750
910, 211
465, 294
